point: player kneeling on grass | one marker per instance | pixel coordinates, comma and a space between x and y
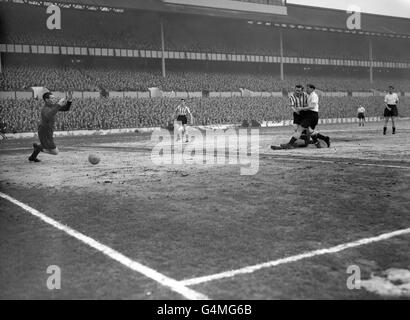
46, 127
308, 123
181, 113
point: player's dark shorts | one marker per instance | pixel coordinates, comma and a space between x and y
45, 134
393, 112
360, 115
297, 118
309, 119
183, 119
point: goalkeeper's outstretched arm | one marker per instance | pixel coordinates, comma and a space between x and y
66, 107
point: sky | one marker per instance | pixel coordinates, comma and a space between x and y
396, 8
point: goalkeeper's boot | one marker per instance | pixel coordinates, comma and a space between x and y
276, 148
37, 149
327, 140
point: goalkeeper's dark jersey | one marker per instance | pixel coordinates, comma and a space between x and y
49, 112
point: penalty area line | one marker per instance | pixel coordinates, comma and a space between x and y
306, 255
172, 284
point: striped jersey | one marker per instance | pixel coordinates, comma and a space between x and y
298, 101
182, 110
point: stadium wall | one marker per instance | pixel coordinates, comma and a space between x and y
205, 56
264, 124
145, 95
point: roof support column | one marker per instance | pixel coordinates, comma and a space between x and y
163, 49
282, 76
371, 61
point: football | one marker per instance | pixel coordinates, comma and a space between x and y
93, 159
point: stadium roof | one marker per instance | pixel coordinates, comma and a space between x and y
298, 16
331, 18
120, 4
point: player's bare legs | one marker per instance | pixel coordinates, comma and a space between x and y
361, 122
386, 121
393, 125
185, 133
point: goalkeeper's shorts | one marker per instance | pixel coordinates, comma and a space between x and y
45, 134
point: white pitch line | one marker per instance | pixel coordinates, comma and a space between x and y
341, 160
174, 285
16, 149
251, 269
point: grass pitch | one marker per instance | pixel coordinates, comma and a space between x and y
189, 221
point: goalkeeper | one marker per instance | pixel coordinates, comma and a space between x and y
46, 126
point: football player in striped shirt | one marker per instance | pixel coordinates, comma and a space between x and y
181, 112
298, 99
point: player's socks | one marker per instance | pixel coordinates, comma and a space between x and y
289, 144
38, 147
324, 138
394, 130
384, 130
34, 155
307, 139
292, 140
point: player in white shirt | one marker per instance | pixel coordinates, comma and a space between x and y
391, 100
360, 114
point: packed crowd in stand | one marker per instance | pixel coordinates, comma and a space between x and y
23, 77
121, 79
112, 113
141, 30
